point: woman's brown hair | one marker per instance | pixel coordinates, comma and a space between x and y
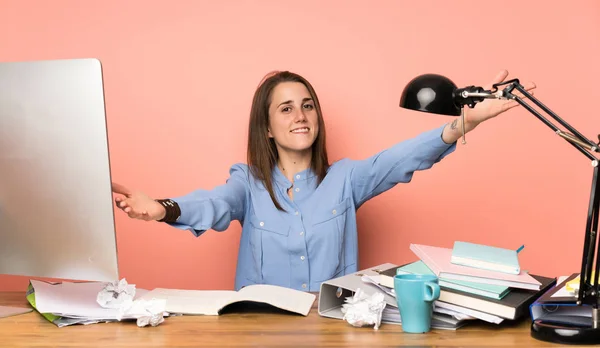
262, 152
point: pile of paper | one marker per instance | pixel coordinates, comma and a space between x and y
444, 317
69, 303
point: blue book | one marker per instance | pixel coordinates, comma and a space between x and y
492, 291
486, 257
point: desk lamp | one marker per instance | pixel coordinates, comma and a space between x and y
437, 94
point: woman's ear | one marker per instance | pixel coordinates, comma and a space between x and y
269, 133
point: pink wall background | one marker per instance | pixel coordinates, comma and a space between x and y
179, 81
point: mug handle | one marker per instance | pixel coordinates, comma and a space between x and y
434, 292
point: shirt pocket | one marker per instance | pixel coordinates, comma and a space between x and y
269, 244
334, 211
326, 241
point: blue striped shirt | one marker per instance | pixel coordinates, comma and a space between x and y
315, 238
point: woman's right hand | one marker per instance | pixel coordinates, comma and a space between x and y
137, 205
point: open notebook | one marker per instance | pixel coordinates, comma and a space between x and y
439, 260
212, 302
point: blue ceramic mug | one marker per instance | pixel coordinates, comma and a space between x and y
415, 295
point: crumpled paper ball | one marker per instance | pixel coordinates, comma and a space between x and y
148, 312
116, 295
119, 295
362, 309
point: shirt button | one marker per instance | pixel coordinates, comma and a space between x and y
301, 233
297, 189
296, 213
304, 286
302, 258
334, 211
261, 224
297, 176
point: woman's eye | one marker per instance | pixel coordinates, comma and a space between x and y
286, 109
308, 106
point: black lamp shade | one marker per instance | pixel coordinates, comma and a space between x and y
430, 93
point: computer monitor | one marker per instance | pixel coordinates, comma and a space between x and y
56, 205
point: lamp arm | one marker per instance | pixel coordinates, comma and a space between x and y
589, 290
471, 95
576, 139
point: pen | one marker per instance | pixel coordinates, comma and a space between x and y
520, 248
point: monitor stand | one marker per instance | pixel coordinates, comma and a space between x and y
6, 311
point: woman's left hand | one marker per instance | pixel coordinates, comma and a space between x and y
490, 108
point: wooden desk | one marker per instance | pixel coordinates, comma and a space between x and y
256, 327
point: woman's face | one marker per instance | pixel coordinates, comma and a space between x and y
293, 119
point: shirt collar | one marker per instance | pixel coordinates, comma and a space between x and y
281, 179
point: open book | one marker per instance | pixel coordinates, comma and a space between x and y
212, 302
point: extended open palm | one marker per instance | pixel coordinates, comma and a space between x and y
137, 204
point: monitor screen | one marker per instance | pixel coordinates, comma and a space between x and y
56, 208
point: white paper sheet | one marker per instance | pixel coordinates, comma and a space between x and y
563, 292
77, 300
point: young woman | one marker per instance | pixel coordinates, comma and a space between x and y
298, 211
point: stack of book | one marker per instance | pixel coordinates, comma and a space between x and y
472, 287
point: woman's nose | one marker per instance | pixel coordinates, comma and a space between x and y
300, 116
